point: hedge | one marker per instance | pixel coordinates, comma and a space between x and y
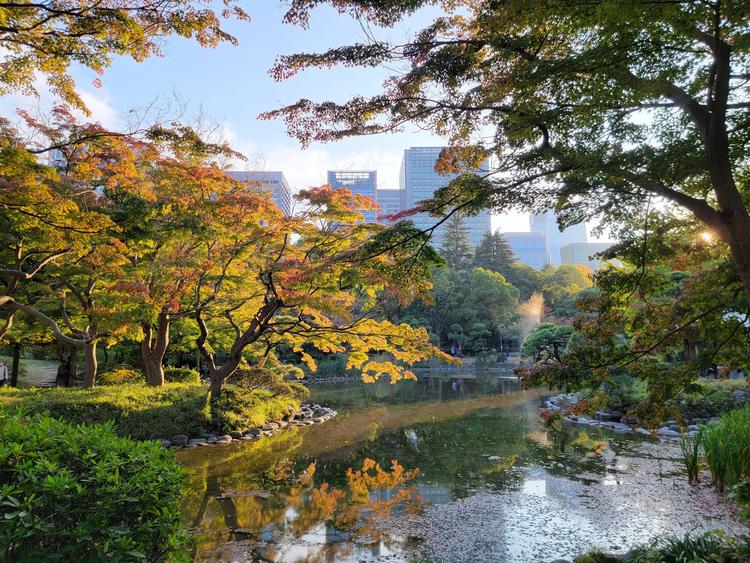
79, 493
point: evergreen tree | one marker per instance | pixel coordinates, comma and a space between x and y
494, 254
455, 247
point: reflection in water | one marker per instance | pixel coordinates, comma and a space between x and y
497, 483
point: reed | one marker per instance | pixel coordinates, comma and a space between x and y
726, 445
691, 455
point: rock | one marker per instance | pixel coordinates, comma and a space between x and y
255, 432
235, 434
226, 438
179, 440
643, 431
190, 445
307, 414
603, 415
282, 423
197, 441
668, 432
165, 443
670, 422
270, 426
741, 395
692, 428
211, 440
318, 419
616, 415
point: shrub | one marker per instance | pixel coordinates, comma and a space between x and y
142, 412
238, 408
138, 411
281, 379
79, 493
119, 376
181, 375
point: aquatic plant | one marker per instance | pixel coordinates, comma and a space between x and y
691, 455
727, 448
712, 546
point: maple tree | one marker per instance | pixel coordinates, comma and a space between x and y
592, 108
311, 281
46, 37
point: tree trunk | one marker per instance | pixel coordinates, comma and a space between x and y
89, 355
218, 376
153, 350
16, 365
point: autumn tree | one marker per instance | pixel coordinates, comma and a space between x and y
47, 37
593, 108
313, 280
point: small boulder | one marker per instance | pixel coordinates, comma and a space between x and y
668, 432
179, 440
226, 438
211, 440
197, 441
165, 443
254, 432
235, 434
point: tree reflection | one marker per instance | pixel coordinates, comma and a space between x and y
292, 502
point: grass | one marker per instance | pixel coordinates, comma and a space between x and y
33, 372
726, 445
143, 412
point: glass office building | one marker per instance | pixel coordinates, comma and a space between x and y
420, 181
362, 182
529, 248
282, 192
546, 223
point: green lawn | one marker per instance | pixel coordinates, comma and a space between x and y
34, 372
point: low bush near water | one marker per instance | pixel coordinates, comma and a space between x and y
79, 493
119, 376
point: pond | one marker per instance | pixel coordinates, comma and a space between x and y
476, 477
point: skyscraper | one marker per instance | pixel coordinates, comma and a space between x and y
362, 182
390, 202
420, 181
546, 223
529, 248
281, 192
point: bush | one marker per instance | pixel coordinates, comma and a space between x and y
181, 375
239, 409
710, 399
138, 411
79, 493
142, 412
119, 376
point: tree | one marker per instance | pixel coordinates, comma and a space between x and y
594, 108
46, 37
563, 282
309, 281
494, 253
547, 342
455, 246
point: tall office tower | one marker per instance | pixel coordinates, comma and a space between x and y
419, 179
529, 248
584, 253
281, 192
390, 202
547, 223
364, 182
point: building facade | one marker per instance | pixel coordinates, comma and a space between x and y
419, 181
583, 252
546, 223
390, 202
275, 181
529, 248
363, 182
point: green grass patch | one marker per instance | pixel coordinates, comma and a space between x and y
141, 412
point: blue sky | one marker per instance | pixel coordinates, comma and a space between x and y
232, 86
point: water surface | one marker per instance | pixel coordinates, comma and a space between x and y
489, 482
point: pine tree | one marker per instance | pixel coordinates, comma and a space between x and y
494, 253
455, 247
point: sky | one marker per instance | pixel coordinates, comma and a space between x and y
231, 85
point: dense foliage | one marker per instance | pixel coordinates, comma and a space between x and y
79, 493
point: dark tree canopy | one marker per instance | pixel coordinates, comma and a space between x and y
47, 36
455, 247
494, 253
593, 108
